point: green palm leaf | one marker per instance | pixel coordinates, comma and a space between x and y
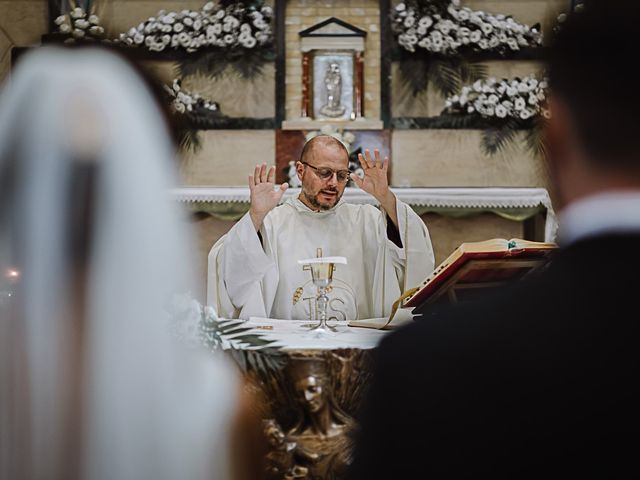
497, 138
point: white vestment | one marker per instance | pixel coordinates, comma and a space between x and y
253, 276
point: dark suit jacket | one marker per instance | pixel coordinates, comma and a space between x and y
538, 382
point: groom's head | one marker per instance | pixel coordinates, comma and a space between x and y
323, 170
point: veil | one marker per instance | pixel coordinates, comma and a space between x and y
111, 396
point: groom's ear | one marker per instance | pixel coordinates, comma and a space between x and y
299, 169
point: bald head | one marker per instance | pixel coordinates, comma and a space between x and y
317, 144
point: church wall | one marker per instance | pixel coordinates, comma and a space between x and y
452, 158
227, 157
22, 22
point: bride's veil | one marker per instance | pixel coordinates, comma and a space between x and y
91, 249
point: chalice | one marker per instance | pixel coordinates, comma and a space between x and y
322, 269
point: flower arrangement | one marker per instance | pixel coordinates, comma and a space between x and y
345, 137
225, 33
80, 25
233, 26
184, 102
448, 31
195, 325
503, 107
435, 35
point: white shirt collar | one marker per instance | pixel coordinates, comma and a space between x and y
607, 212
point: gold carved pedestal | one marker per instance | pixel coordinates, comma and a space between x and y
308, 403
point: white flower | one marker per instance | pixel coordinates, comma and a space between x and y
470, 109
409, 22
77, 13
523, 87
60, 20
512, 92
175, 40
463, 15
208, 7
217, 29
513, 45
83, 24
493, 99
533, 100
187, 21
425, 43
220, 14
166, 39
64, 28
94, 19
401, 7
148, 41
483, 44
494, 42
77, 33
519, 104
139, 38
197, 25
179, 107
168, 19
443, 27
525, 114
183, 39
178, 27
96, 30
228, 39
249, 42
487, 29
453, 11
477, 85
349, 137
475, 36
425, 21
500, 111
267, 10
194, 15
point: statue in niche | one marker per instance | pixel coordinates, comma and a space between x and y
333, 85
321, 429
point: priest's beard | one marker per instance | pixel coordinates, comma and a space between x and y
313, 198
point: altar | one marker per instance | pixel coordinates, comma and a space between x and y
309, 388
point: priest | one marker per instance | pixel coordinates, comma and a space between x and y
254, 270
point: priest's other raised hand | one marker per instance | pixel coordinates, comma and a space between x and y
264, 196
376, 183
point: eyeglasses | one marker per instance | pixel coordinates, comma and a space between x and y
326, 173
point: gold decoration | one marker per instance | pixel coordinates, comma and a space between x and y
297, 295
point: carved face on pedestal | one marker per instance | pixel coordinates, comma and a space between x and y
311, 393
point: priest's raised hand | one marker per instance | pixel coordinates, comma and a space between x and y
376, 183
264, 196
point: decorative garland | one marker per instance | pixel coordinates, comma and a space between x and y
458, 29
503, 108
436, 35
226, 33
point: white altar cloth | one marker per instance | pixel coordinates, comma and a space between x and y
291, 335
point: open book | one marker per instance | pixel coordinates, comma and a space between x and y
399, 316
475, 267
